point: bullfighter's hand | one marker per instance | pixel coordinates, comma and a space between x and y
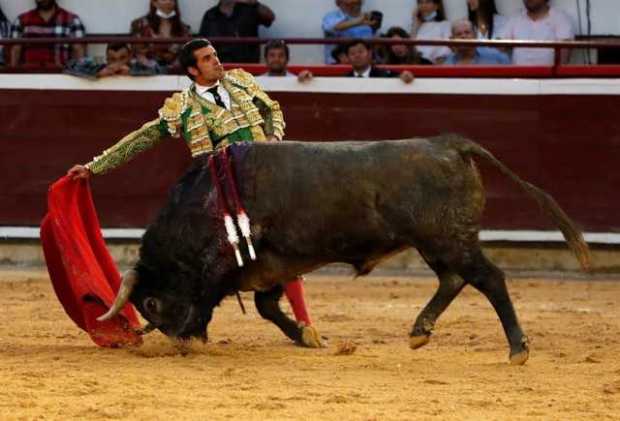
407, 77
273, 138
79, 171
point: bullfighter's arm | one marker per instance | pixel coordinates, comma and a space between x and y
269, 109
272, 114
170, 119
149, 135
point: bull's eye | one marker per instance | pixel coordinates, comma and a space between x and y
152, 305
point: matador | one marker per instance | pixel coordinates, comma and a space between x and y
219, 108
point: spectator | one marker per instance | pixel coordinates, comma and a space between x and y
162, 21
5, 32
429, 22
277, 55
119, 62
401, 53
348, 22
464, 29
360, 56
339, 54
542, 22
486, 21
236, 18
47, 20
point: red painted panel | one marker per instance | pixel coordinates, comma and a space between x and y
568, 145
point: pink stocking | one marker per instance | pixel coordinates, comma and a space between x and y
294, 291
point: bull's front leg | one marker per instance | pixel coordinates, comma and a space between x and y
268, 306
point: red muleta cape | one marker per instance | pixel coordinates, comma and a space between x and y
81, 269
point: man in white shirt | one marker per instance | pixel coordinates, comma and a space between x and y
277, 55
538, 22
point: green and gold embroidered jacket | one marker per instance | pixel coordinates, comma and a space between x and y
204, 125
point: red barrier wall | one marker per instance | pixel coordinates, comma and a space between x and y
569, 145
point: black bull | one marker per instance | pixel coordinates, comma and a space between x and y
317, 203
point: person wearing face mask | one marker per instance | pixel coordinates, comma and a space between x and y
429, 22
47, 20
162, 21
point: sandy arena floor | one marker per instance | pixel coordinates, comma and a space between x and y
249, 371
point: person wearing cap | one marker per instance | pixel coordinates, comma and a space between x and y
218, 109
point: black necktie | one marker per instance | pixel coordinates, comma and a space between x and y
216, 96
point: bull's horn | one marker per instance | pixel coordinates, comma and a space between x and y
128, 282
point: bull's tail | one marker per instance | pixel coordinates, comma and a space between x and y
549, 206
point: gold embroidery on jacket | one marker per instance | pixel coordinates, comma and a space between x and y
201, 122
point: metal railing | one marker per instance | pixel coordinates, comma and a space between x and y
557, 46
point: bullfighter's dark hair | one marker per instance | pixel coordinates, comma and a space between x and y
186, 56
277, 44
355, 42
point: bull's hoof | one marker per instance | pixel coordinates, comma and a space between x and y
416, 342
310, 337
521, 356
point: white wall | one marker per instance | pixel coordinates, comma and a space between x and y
302, 18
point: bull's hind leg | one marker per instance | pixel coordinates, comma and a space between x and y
450, 284
268, 306
490, 280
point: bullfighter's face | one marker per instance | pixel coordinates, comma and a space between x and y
208, 69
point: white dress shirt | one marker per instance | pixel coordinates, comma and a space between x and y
202, 91
365, 73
